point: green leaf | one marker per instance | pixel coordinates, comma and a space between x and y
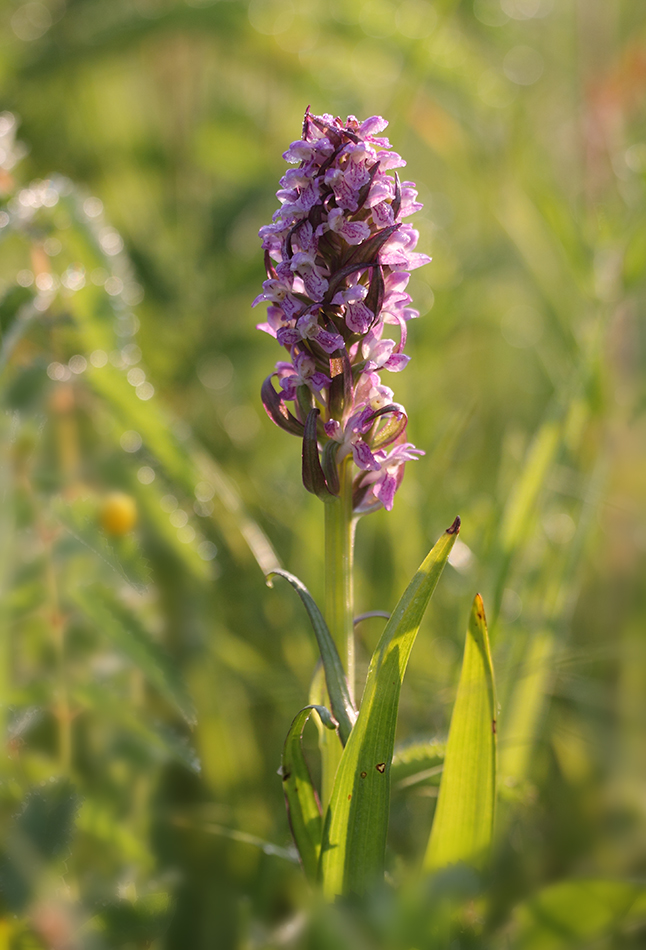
335, 678
356, 823
121, 626
574, 913
463, 823
303, 807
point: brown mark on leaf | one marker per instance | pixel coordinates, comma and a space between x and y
493, 726
479, 605
286, 776
381, 767
363, 774
455, 527
350, 796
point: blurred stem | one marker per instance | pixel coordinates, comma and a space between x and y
62, 709
339, 547
6, 556
63, 714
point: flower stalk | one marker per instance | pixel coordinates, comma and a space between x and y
339, 557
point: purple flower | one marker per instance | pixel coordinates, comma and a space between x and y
338, 256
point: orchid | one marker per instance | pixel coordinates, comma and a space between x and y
338, 257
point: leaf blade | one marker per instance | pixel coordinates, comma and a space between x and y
335, 678
303, 808
463, 824
354, 836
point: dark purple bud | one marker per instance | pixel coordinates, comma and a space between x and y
313, 475
397, 200
367, 253
341, 386
277, 410
269, 267
365, 189
304, 399
375, 299
334, 134
328, 462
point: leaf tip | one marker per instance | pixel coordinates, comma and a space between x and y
478, 607
455, 527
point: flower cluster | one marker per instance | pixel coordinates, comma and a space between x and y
338, 256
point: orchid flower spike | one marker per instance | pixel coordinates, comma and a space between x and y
338, 257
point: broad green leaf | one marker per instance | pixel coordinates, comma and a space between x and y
463, 823
125, 630
303, 808
356, 823
577, 913
335, 679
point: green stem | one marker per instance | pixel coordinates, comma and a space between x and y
339, 544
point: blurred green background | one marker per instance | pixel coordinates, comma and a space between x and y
147, 675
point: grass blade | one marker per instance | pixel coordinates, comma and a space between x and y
463, 824
335, 678
303, 808
356, 823
417, 763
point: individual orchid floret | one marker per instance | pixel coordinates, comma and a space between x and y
302, 372
350, 439
338, 256
353, 232
358, 317
383, 483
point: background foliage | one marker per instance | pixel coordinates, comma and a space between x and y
147, 676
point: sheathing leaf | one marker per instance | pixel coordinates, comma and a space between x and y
303, 807
335, 679
356, 822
